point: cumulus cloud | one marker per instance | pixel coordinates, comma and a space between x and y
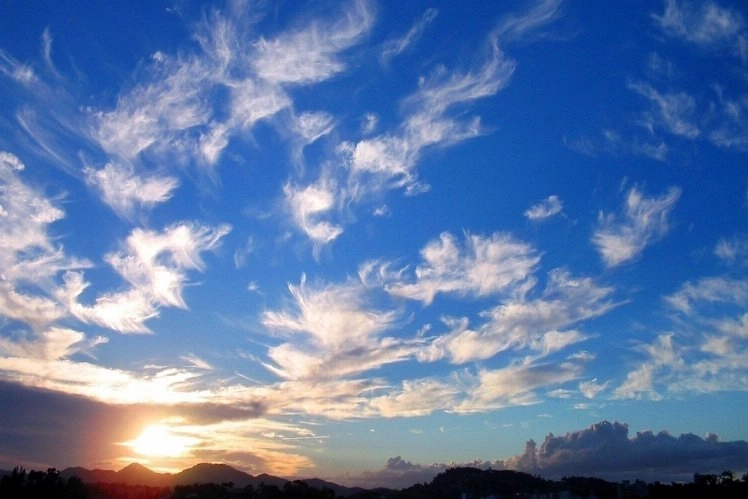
607, 449
643, 222
547, 208
396, 473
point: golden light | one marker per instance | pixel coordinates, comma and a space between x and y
159, 441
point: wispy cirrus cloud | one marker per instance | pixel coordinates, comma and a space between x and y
30, 258
702, 352
486, 265
643, 221
547, 208
396, 46
310, 54
332, 334
123, 190
154, 265
519, 27
388, 161
538, 326
673, 111
706, 24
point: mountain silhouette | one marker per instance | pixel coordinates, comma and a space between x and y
137, 474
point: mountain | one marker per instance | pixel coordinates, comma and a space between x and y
213, 473
137, 474
90, 476
340, 490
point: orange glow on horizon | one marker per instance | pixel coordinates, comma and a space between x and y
160, 442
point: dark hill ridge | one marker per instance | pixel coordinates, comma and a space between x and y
137, 474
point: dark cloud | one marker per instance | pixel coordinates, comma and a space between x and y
397, 473
605, 450
41, 428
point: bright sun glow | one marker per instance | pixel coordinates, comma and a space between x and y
160, 441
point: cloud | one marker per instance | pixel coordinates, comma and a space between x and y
538, 324
216, 431
396, 46
487, 265
545, 209
331, 334
734, 250
307, 205
388, 161
516, 385
673, 111
645, 221
705, 24
702, 352
309, 55
154, 265
30, 259
396, 473
607, 448
520, 27
122, 189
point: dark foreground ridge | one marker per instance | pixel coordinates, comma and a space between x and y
209, 481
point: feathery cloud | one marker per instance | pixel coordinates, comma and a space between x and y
645, 221
547, 208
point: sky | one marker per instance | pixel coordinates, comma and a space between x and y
365, 241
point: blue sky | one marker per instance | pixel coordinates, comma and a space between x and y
365, 241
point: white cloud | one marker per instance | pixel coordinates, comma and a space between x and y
123, 190
486, 265
591, 389
545, 209
388, 161
307, 205
706, 24
516, 385
331, 334
519, 323
30, 260
644, 222
154, 265
703, 352
673, 111
520, 27
709, 290
310, 55
733, 250
396, 46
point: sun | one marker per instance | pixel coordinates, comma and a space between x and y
159, 441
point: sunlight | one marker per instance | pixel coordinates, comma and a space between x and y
160, 441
